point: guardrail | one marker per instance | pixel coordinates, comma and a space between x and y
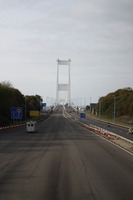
106, 134
105, 121
12, 126
110, 122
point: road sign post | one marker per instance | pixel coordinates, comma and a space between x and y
43, 104
16, 113
82, 116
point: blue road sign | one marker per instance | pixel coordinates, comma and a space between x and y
43, 104
82, 115
16, 113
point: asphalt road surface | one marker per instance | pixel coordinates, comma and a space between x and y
119, 130
62, 161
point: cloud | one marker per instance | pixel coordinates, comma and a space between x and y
96, 35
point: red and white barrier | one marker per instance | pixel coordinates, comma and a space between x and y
106, 133
12, 126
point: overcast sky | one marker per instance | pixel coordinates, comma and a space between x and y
97, 35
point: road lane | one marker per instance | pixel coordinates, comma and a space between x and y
100, 123
63, 161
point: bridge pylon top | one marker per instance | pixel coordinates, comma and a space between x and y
63, 62
63, 87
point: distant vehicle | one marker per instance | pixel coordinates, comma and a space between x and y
130, 130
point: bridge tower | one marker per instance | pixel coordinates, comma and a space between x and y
63, 86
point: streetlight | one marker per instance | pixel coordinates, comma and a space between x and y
25, 105
90, 105
114, 107
99, 107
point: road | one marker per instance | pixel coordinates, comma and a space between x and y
100, 123
62, 161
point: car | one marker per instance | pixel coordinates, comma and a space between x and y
130, 130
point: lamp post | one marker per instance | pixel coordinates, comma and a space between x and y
25, 102
114, 107
90, 105
99, 108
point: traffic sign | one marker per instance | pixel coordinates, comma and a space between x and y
82, 115
34, 113
43, 104
16, 113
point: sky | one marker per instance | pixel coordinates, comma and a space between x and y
97, 35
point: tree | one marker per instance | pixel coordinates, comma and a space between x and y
33, 103
87, 107
9, 97
124, 103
